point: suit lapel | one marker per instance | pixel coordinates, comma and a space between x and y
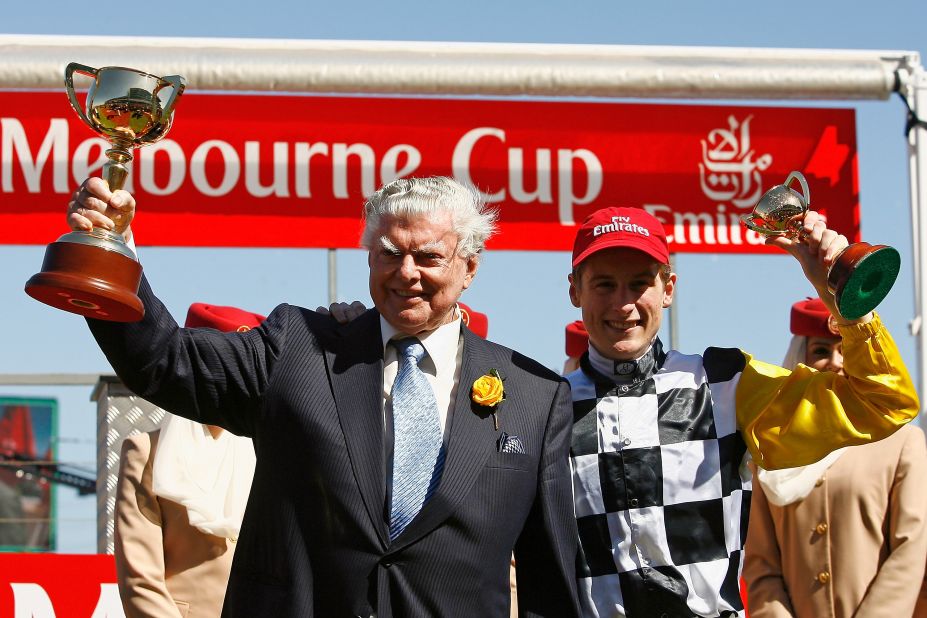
470, 441
355, 364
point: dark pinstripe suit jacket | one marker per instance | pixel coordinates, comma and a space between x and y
314, 540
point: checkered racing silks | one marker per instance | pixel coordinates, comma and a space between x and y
661, 486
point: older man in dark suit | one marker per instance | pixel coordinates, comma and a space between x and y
392, 478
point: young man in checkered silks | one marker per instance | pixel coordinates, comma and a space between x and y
661, 439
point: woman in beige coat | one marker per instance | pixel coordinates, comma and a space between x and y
846, 536
180, 498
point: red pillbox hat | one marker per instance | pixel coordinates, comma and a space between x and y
811, 318
475, 321
226, 319
634, 228
577, 339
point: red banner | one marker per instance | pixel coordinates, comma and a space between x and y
59, 586
292, 171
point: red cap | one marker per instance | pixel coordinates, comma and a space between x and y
577, 339
634, 228
226, 319
475, 321
811, 318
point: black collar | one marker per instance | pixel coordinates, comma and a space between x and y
624, 372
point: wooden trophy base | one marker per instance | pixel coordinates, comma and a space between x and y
83, 277
861, 277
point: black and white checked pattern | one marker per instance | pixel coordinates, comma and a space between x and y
661, 486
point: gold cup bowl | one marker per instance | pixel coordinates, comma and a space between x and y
94, 273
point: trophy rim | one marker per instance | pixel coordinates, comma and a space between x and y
122, 68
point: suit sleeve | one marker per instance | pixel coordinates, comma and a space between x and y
895, 590
202, 374
767, 596
790, 419
139, 550
545, 553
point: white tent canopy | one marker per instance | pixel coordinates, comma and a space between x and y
508, 69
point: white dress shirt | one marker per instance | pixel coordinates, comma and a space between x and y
441, 366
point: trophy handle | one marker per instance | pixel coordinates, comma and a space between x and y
69, 72
179, 84
805, 192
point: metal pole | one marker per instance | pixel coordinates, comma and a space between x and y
332, 276
673, 317
915, 91
484, 69
49, 379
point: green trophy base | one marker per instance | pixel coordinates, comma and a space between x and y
862, 276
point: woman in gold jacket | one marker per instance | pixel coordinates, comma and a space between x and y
846, 536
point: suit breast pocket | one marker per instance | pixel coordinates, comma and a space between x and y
511, 461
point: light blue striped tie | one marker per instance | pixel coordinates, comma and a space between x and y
418, 456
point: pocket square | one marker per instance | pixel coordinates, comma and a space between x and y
510, 444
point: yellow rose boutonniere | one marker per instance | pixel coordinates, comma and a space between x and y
488, 392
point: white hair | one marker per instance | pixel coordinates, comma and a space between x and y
472, 221
797, 352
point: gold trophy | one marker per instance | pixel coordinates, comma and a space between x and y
861, 275
95, 273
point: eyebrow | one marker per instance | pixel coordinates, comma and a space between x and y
435, 246
387, 245
429, 247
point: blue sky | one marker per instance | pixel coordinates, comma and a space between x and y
728, 301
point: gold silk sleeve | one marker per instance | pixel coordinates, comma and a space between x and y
791, 419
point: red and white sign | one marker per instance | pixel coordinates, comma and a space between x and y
292, 171
59, 586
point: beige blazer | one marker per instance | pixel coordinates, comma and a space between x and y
855, 546
165, 566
